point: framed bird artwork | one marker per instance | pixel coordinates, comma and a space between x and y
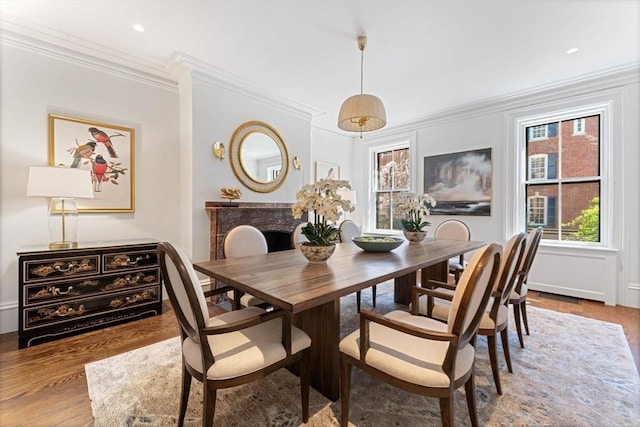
106, 150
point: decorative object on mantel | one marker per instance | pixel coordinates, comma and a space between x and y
362, 112
62, 185
230, 194
414, 207
218, 150
296, 163
324, 200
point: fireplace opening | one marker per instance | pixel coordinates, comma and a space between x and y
278, 240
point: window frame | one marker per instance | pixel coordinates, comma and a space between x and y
538, 138
545, 167
368, 149
517, 124
544, 209
582, 130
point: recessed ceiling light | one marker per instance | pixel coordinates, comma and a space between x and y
572, 50
139, 28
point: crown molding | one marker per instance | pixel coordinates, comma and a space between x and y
220, 79
47, 42
604, 79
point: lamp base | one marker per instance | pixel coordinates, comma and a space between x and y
63, 245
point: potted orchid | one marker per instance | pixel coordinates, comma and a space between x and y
323, 199
414, 207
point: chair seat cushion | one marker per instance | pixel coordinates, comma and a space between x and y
246, 300
408, 358
243, 352
487, 323
454, 264
516, 296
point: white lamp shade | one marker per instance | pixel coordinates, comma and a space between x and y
348, 195
59, 182
362, 113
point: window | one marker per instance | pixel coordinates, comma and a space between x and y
273, 172
537, 210
538, 166
391, 177
564, 182
538, 132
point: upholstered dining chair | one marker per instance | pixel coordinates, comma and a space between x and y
495, 319
518, 296
297, 236
349, 229
233, 348
243, 240
423, 355
456, 230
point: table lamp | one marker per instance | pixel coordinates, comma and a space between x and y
348, 195
61, 185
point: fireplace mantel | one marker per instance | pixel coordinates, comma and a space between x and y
263, 216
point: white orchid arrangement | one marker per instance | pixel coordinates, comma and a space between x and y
414, 207
323, 199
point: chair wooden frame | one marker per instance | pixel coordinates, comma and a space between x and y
458, 338
201, 332
505, 282
517, 299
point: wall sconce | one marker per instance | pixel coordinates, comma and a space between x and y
218, 150
296, 162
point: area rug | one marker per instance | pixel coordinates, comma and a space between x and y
574, 371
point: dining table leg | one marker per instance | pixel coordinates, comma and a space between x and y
322, 324
403, 284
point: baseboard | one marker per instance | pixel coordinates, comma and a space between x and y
8, 317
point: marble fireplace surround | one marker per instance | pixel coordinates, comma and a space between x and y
266, 217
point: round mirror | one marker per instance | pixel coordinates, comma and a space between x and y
258, 157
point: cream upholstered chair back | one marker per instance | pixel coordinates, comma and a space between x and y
297, 235
244, 240
509, 266
479, 275
453, 229
183, 287
348, 230
232, 348
533, 241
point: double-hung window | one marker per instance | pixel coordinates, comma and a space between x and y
391, 169
563, 182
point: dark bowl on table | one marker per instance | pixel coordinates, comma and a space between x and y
377, 244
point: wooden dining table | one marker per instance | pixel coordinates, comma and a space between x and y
312, 291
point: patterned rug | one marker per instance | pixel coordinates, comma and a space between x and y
574, 372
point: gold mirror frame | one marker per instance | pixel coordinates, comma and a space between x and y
235, 158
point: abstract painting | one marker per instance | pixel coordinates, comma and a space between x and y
460, 182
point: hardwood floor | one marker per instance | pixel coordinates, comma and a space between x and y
45, 385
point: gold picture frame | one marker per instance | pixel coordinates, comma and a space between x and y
326, 170
106, 150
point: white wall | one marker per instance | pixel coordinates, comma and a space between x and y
610, 275
33, 85
217, 112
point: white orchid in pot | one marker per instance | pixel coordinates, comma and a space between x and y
323, 199
414, 207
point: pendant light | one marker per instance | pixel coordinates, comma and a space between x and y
362, 112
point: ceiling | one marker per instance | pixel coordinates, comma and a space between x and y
422, 57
